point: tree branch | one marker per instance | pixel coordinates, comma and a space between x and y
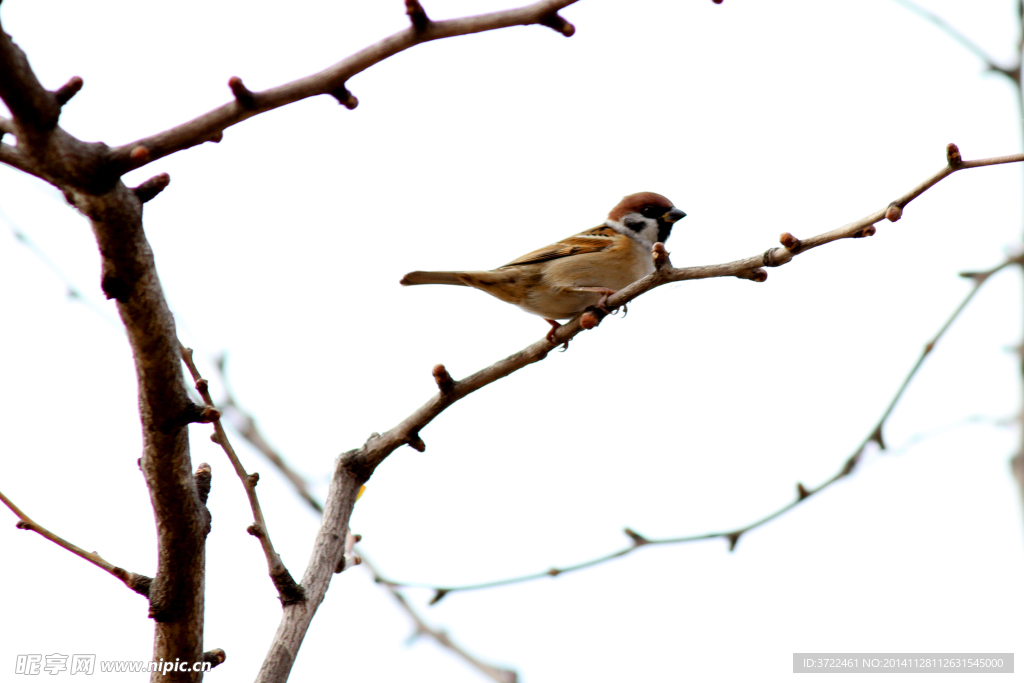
361, 462
733, 535
137, 582
288, 591
330, 81
12, 157
245, 424
355, 467
1013, 73
176, 595
495, 673
34, 108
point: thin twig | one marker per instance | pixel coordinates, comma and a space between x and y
361, 462
137, 582
246, 426
1014, 74
288, 590
959, 37
423, 628
249, 431
73, 291
733, 535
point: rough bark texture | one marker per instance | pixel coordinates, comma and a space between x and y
84, 172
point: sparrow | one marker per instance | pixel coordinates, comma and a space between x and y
568, 277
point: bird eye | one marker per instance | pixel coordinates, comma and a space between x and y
651, 211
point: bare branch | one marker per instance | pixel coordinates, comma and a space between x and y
363, 461
288, 591
12, 157
35, 109
246, 426
182, 520
73, 291
331, 81
733, 536
495, 673
137, 582
1013, 73
327, 558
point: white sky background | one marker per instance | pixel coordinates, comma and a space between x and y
284, 244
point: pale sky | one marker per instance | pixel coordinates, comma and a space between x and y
700, 411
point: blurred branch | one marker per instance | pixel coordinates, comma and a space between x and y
137, 582
803, 493
245, 424
1013, 73
423, 628
288, 591
73, 291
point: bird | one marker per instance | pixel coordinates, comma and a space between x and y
566, 278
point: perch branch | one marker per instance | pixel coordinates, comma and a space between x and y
361, 462
733, 536
288, 591
137, 582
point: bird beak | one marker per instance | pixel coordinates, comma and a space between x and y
673, 215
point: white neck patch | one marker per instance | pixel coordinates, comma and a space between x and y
647, 235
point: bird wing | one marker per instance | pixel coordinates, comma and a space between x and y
590, 241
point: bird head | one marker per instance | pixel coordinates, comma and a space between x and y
645, 216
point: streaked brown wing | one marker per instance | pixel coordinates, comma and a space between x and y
586, 242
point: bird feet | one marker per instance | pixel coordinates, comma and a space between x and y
551, 333
554, 328
602, 303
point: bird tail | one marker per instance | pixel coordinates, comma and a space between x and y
424, 277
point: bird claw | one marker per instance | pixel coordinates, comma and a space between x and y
551, 333
602, 303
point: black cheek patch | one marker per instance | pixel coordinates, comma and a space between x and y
635, 224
